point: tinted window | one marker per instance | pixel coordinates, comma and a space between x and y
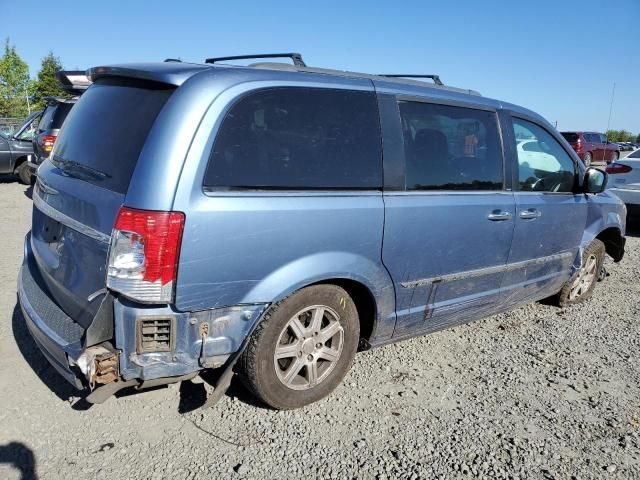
635, 154
293, 138
105, 131
570, 137
543, 165
47, 117
54, 116
450, 148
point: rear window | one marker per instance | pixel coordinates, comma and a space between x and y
104, 134
298, 138
570, 137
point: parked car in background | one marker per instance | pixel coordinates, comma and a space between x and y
16, 149
592, 147
201, 216
54, 115
624, 181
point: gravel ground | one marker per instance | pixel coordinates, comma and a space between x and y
535, 393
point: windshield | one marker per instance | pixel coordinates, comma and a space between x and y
106, 130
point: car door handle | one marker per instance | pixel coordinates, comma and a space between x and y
530, 214
499, 215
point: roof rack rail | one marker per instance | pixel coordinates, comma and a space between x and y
435, 78
296, 58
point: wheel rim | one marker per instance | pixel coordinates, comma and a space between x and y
586, 276
587, 159
309, 347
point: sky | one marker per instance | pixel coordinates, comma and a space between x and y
559, 58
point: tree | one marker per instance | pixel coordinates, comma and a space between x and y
613, 135
47, 84
638, 138
14, 82
624, 136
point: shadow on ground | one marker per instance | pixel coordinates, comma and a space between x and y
36, 360
19, 457
633, 226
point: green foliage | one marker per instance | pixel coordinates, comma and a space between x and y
621, 136
624, 136
14, 83
47, 84
612, 135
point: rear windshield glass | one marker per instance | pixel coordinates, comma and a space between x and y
635, 154
54, 116
104, 134
570, 137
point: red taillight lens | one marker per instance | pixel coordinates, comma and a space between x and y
618, 168
47, 142
143, 259
578, 146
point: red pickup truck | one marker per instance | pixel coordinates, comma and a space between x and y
592, 147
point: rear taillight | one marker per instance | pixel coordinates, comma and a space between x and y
143, 258
47, 142
578, 146
618, 168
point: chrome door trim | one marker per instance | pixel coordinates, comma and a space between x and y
58, 216
487, 270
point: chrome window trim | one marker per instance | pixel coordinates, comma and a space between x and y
486, 270
51, 212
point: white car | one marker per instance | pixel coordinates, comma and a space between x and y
534, 160
624, 180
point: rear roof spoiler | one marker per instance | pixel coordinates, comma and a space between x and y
73, 81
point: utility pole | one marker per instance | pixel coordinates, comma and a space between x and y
26, 94
613, 92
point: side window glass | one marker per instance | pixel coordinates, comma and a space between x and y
543, 165
450, 148
47, 118
27, 133
298, 138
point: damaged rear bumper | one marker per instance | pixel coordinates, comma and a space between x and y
188, 342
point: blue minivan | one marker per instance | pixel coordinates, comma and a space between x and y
271, 220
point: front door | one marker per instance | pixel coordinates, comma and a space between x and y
448, 228
550, 218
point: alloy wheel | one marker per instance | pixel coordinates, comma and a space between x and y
585, 278
308, 347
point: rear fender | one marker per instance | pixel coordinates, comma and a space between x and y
325, 267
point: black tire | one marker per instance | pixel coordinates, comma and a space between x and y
23, 173
257, 364
563, 298
587, 159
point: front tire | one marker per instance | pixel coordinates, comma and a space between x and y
303, 347
587, 159
582, 283
23, 173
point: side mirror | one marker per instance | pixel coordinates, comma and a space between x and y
595, 181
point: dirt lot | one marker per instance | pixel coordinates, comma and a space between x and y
536, 393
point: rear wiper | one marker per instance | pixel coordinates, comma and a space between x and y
70, 166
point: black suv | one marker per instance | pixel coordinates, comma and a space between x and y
53, 116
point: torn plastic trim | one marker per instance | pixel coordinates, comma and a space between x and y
191, 351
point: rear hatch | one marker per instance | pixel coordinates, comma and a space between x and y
81, 188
